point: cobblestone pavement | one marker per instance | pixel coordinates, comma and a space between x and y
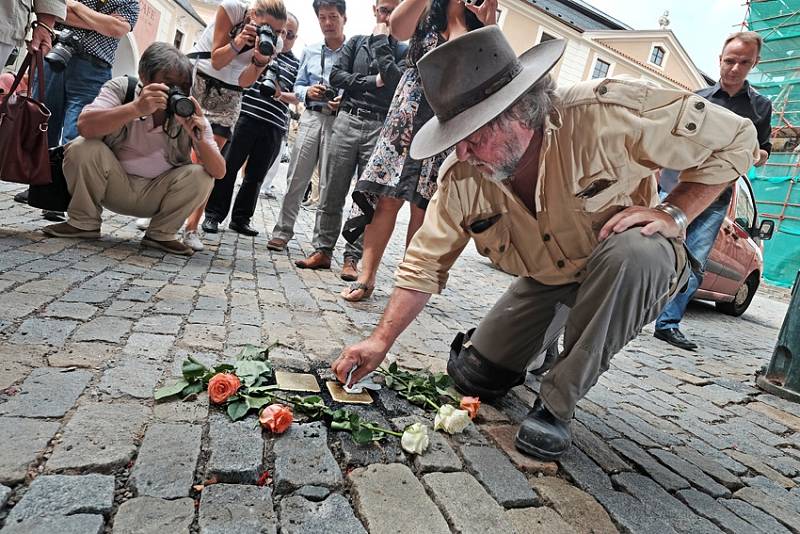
668, 441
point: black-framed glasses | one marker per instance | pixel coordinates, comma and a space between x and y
385, 11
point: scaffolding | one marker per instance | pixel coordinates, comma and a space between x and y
777, 184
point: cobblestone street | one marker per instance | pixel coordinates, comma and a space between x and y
667, 441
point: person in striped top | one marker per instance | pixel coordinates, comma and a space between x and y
257, 139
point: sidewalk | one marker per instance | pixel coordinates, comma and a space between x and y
667, 441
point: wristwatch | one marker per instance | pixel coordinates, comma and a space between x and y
676, 213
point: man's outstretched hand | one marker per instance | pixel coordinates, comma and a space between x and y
367, 355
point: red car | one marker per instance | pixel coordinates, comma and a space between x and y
734, 267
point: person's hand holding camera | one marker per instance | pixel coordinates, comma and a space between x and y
316, 92
485, 10
152, 98
246, 37
334, 104
260, 60
381, 29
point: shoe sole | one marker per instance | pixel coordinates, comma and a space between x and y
536, 452
156, 245
275, 248
348, 277
209, 230
314, 268
82, 235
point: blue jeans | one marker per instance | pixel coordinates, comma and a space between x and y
700, 237
66, 93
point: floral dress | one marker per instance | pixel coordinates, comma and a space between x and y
391, 172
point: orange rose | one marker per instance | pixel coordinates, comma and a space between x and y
222, 386
471, 404
276, 418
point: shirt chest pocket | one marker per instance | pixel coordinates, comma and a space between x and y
492, 236
604, 189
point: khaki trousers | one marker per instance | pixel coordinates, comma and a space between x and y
96, 180
629, 280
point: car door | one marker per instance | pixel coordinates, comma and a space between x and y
735, 248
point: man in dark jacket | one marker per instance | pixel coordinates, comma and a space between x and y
368, 71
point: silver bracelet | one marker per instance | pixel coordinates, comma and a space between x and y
676, 213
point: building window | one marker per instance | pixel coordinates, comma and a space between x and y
657, 55
178, 39
600, 69
547, 37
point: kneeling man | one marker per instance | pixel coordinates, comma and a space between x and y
557, 187
135, 158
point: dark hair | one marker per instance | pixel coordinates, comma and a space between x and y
163, 57
435, 20
340, 6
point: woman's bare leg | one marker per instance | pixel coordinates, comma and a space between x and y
414, 222
194, 218
376, 237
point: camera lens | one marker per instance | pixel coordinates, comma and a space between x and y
58, 57
179, 104
266, 40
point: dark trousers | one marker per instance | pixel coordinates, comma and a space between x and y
258, 143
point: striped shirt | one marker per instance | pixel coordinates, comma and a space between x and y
268, 109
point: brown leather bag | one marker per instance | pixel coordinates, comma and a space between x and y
23, 130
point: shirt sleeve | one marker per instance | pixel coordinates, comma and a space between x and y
436, 245
302, 81
764, 128
235, 10
683, 131
130, 11
390, 67
58, 8
105, 99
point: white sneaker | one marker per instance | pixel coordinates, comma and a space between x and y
192, 240
143, 223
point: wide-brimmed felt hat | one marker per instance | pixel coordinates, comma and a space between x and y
471, 80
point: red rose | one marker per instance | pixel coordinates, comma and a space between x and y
222, 386
276, 418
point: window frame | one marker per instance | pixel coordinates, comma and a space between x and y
664, 57
597, 61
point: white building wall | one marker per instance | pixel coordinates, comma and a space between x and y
573, 63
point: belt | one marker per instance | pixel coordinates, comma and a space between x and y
96, 61
216, 83
324, 110
362, 113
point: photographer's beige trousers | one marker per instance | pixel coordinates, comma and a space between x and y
629, 280
96, 180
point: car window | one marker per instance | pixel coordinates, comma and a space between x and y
745, 207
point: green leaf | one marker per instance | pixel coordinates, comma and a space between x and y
256, 402
393, 367
222, 368
170, 390
249, 371
388, 380
193, 370
193, 389
363, 435
252, 352
237, 409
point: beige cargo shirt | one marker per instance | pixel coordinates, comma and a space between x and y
598, 156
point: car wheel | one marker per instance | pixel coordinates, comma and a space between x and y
744, 296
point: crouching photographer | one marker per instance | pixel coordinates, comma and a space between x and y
135, 158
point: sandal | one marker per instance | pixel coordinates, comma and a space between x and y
356, 286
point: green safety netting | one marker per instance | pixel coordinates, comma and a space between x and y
777, 185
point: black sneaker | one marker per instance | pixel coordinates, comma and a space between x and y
673, 336
210, 226
55, 216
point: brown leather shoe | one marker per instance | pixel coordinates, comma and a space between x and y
318, 260
173, 246
276, 244
349, 270
67, 230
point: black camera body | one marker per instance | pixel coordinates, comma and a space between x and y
266, 40
179, 104
270, 83
67, 44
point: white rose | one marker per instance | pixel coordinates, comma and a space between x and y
415, 439
451, 420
